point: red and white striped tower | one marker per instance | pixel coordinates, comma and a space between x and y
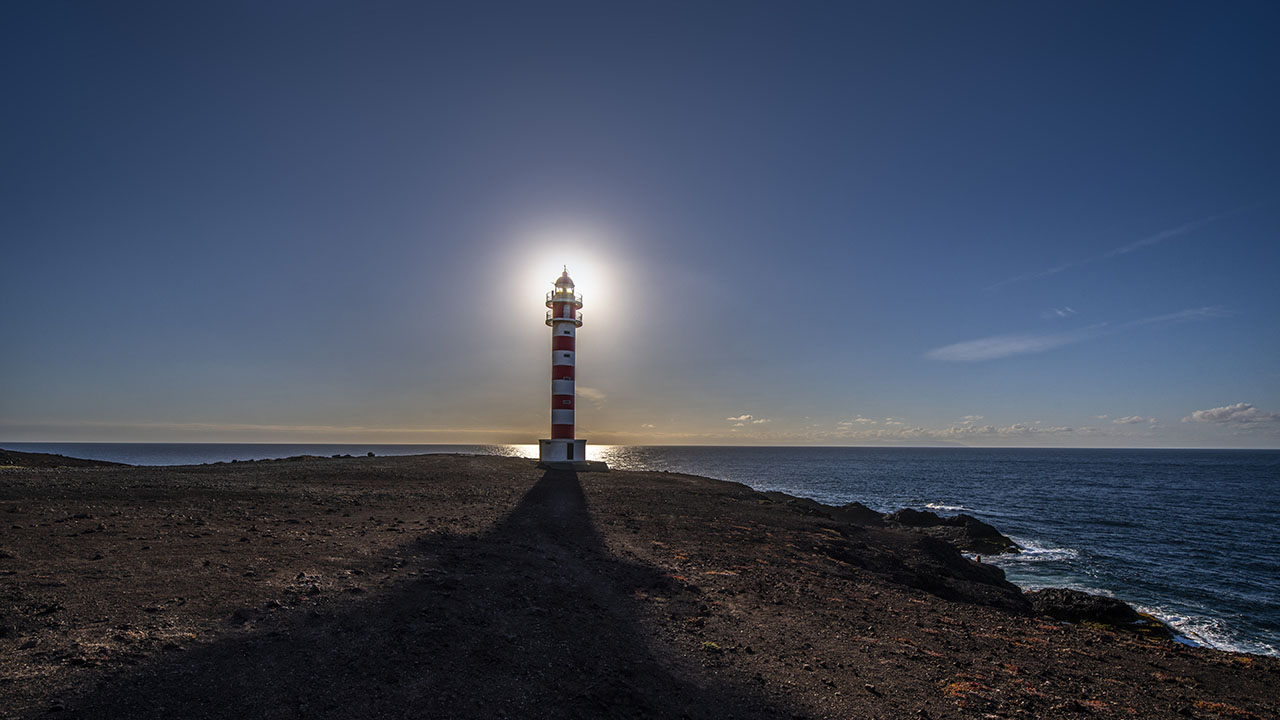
564, 319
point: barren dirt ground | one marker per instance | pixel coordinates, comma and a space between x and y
454, 586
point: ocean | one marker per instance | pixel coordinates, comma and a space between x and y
1187, 535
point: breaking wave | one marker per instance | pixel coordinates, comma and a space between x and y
1194, 629
1034, 551
947, 508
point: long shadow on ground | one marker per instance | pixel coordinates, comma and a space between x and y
533, 617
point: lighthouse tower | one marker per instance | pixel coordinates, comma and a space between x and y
562, 449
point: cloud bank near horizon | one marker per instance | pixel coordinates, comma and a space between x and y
1238, 420
1239, 414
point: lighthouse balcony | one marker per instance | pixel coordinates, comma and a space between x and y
559, 296
576, 319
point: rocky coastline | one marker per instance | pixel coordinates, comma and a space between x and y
974, 537
461, 586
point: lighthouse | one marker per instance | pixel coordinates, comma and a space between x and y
562, 449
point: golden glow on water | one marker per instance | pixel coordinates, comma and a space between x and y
524, 451
594, 452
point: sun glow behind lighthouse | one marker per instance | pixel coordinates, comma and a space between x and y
589, 274
594, 259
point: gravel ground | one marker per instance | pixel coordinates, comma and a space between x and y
458, 586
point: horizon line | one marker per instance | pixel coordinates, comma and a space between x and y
956, 446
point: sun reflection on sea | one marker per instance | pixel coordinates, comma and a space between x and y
594, 452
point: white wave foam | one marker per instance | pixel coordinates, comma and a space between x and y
1035, 551
946, 508
1031, 586
1208, 632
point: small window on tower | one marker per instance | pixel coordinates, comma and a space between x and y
566, 354
566, 402
566, 377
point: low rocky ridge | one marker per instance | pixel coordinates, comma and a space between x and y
966, 532
15, 459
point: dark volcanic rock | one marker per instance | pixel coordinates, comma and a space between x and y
858, 514
936, 566
854, 513
805, 506
1080, 607
964, 531
914, 518
980, 537
1077, 606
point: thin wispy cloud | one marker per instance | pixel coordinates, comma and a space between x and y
1036, 275
596, 397
1212, 311
1163, 235
1132, 420
1001, 346
1056, 313
1148, 241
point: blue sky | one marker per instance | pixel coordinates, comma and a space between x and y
855, 223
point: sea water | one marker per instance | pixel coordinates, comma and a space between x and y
1188, 535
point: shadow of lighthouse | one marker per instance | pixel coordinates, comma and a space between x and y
531, 618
